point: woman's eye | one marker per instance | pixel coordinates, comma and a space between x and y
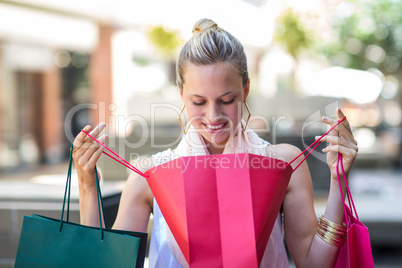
198, 103
227, 102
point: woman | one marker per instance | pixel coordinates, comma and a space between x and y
213, 81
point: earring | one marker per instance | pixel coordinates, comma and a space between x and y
181, 123
248, 117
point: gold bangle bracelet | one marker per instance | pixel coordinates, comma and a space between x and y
324, 236
329, 242
331, 235
332, 224
332, 230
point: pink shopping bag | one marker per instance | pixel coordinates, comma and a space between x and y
356, 252
221, 208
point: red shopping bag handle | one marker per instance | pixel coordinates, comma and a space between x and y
339, 163
118, 158
316, 143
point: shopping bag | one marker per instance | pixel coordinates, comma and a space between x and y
356, 252
48, 242
221, 208
43, 245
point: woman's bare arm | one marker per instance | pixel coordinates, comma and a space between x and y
306, 248
135, 205
86, 153
136, 200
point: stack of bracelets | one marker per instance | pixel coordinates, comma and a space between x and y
332, 233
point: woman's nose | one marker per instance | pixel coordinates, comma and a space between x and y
213, 113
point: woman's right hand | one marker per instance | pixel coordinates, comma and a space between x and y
86, 153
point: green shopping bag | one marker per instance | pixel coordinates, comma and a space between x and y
48, 242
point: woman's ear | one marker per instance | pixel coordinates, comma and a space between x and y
180, 90
246, 90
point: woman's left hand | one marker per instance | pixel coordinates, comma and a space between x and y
340, 140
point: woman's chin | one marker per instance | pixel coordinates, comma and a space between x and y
218, 141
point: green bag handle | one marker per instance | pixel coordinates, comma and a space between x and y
67, 194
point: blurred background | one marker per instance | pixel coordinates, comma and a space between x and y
65, 64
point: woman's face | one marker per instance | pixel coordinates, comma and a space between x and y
214, 96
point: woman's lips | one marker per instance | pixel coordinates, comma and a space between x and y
215, 126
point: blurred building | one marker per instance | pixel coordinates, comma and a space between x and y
66, 64
51, 60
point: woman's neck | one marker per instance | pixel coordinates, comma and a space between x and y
214, 148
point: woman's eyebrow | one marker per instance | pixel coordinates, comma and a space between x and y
195, 95
224, 94
199, 96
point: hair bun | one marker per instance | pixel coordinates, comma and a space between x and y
203, 25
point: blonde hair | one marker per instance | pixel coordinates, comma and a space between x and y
211, 44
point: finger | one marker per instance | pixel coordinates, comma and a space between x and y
94, 146
331, 123
342, 129
335, 140
79, 139
345, 122
83, 142
88, 164
88, 141
340, 113
95, 156
345, 151
96, 131
330, 139
80, 145
88, 157
93, 159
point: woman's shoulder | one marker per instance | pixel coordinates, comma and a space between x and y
283, 151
